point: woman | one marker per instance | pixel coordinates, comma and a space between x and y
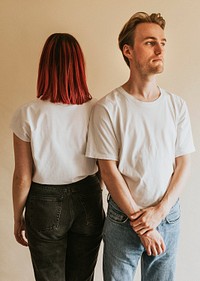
53, 181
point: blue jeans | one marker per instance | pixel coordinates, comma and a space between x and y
123, 248
64, 227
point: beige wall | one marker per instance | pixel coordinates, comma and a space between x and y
25, 25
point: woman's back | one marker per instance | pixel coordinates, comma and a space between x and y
57, 133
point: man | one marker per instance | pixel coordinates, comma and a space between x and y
142, 138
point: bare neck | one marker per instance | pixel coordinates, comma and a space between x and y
142, 88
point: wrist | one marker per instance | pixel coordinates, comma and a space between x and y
18, 219
163, 209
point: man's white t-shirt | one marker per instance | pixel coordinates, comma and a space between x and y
144, 137
57, 133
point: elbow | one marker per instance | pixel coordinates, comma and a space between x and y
183, 165
187, 163
21, 181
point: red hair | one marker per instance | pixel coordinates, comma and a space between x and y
61, 74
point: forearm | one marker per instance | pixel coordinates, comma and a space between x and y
117, 187
22, 175
177, 184
150, 217
21, 189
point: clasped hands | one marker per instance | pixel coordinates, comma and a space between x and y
144, 223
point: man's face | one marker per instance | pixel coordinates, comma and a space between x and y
147, 56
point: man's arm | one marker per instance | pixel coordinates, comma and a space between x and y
151, 217
21, 184
118, 189
117, 186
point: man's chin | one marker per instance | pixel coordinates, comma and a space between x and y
158, 70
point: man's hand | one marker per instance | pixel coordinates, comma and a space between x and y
153, 243
146, 219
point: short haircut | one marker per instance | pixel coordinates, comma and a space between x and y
126, 35
61, 74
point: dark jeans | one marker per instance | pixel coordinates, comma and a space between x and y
64, 228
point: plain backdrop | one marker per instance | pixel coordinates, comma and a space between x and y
24, 27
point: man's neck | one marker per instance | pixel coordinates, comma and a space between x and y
142, 89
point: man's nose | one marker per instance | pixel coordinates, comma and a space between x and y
158, 49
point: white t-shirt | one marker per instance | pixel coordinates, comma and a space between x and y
144, 137
57, 133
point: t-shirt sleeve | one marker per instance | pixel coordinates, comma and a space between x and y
184, 141
20, 126
102, 142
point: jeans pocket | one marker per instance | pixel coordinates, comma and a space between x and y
43, 212
90, 206
174, 214
115, 214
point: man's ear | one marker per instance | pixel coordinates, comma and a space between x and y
127, 51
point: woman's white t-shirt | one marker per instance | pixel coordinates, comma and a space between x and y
144, 137
57, 134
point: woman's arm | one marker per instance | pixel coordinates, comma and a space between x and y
22, 178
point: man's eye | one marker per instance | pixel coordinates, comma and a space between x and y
150, 43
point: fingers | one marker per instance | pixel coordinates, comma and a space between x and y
156, 250
20, 236
20, 239
136, 215
141, 228
153, 243
153, 250
139, 223
148, 250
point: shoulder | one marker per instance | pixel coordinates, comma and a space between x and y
110, 101
89, 104
173, 100
25, 108
172, 97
